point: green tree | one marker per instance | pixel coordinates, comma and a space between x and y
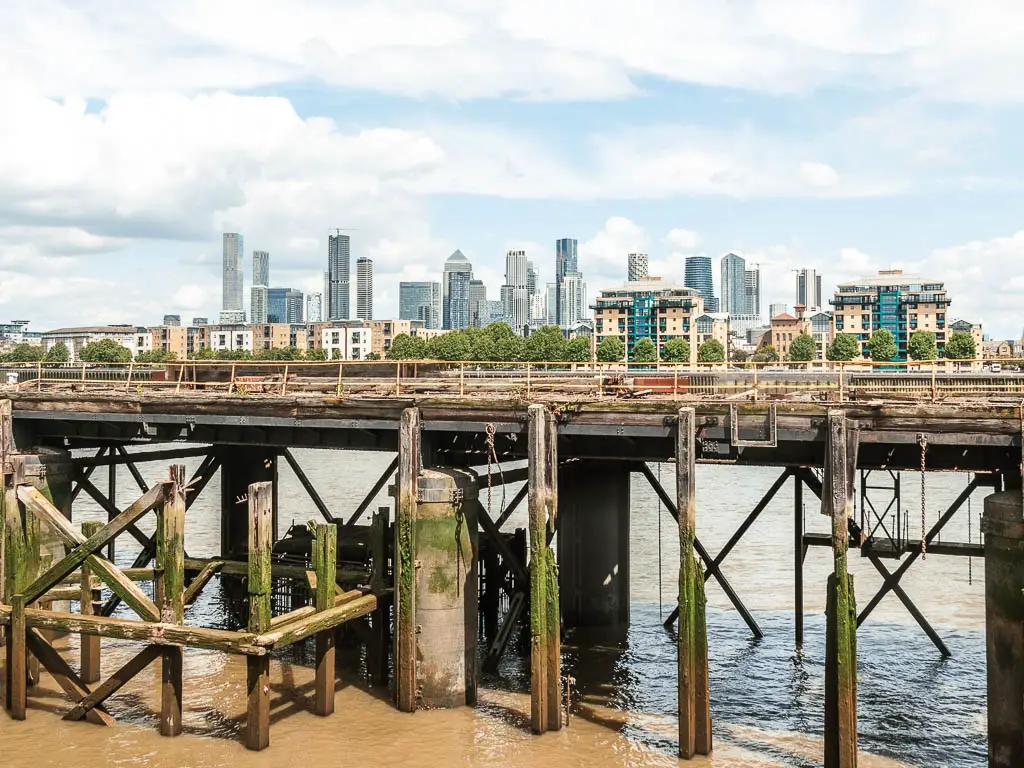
24, 353
922, 346
882, 346
843, 348
960, 346
105, 351
766, 353
711, 351
644, 351
373, 356
676, 351
510, 349
156, 356
739, 356
204, 354
406, 347
803, 349
577, 350
611, 350
336, 354
454, 345
58, 353
318, 355
546, 344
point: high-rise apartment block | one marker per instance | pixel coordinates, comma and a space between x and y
455, 292
420, 301
752, 290
339, 251
808, 288
364, 288
515, 295
638, 267
477, 294
734, 284
285, 305
699, 276
315, 307
566, 261
232, 307
259, 293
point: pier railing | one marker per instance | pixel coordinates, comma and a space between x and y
820, 380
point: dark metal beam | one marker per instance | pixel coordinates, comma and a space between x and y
512, 505
490, 529
132, 469
905, 599
88, 472
310, 488
123, 457
365, 504
704, 556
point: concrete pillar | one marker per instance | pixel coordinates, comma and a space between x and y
1003, 525
242, 466
593, 543
446, 588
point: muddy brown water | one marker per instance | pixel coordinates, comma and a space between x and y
767, 699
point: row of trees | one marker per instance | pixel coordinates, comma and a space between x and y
496, 342
922, 347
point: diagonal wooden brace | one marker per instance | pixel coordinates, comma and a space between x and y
83, 549
65, 675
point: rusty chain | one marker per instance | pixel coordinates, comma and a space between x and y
923, 442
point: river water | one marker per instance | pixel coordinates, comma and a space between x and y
915, 708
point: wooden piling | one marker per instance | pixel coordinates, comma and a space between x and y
377, 664
409, 462
170, 591
694, 699
841, 609
17, 657
88, 598
257, 731
325, 563
545, 622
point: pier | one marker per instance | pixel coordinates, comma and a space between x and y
414, 581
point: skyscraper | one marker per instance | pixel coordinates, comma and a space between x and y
573, 299
477, 294
315, 307
258, 296
515, 295
285, 305
638, 267
734, 284
566, 260
364, 288
553, 302
699, 276
420, 301
455, 292
339, 273
232, 307
808, 288
752, 291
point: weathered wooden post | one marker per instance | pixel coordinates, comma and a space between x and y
545, 624
377, 666
841, 608
325, 563
261, 522
170, 593
89, 597
21, 554
694, 700
1003, 525
404, 562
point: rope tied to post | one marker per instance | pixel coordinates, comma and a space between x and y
923, 442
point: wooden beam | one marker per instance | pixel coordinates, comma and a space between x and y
307, 626
841, 612
261, 526
65, 676
111, 576
17, 660
201, 580
88, 597
380, 620
170, 591
409, 464
545, 625
687, 634
141, 631
325, 561
114, 683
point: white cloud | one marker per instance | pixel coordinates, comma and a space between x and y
684, 239
819, 174
570, 49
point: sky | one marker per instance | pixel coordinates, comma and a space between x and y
846, 136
